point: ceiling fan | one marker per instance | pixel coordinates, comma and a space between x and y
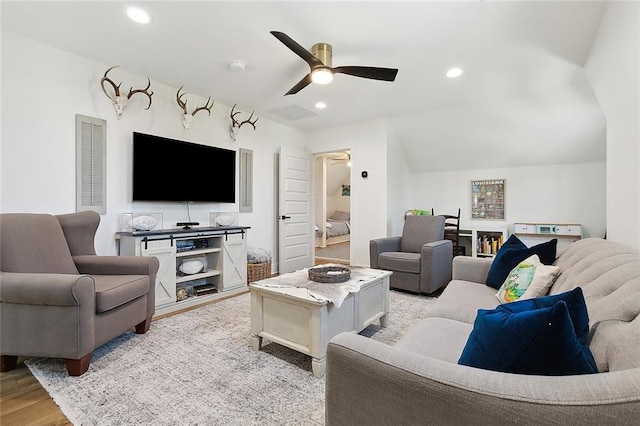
319, 60
342, 158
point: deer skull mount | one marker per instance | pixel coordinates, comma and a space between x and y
119, 100
235, 124
188, 116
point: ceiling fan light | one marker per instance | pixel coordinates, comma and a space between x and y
321, 76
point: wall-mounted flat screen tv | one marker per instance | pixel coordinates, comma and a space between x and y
172, 170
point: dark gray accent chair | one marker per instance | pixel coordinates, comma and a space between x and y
58, 299
420, 259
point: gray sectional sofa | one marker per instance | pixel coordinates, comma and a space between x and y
418, 380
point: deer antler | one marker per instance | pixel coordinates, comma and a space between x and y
183, 104
106, 79
205, 107
237, 124
120, 101
189, 116
145, 91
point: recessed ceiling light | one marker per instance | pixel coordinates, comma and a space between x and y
454, 72
138, 15
321, 105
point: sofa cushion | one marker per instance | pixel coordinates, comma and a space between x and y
116, 290
439, 338
540, 341
400, 261
515, 251
529, 279
461, 300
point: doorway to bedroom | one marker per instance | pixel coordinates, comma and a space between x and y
332, 211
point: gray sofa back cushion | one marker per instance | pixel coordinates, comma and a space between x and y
34, 243
609, 275
420, 230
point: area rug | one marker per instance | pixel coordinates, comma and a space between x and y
198, 367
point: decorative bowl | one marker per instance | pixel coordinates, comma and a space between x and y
329, 274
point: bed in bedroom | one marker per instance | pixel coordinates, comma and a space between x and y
337, 229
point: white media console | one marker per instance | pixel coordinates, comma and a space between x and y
197, 265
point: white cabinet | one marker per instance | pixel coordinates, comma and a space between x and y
234, 262
166, 276
196, 265
536, 233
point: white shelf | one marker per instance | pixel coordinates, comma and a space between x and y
193, 277
197, 252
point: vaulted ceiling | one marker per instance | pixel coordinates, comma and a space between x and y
523, 98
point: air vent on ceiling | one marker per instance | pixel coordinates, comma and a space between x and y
292, 112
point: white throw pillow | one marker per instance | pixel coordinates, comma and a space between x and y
529, 279
544, 278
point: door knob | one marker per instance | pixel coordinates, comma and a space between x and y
285, 217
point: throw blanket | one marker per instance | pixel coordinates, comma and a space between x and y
334, 293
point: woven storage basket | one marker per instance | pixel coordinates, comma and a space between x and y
258, 271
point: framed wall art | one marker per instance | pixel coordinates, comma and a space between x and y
487, 199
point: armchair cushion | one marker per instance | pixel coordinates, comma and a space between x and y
420, 230
116, 290
400, 261
34, 243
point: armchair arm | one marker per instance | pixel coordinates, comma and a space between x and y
381, 245
372, 383
51, 315
117, 265
46, 289
473, 269
435, 265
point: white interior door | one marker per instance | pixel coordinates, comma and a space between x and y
295, 230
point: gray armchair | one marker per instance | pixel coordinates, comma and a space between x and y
420, 259
58, 299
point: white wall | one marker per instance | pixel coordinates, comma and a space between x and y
398, 185
43, 89
569, 193
613, 68
367, 141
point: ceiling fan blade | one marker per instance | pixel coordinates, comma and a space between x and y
306, 80
297, 49
385, 74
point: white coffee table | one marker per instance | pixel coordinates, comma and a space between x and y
292, 317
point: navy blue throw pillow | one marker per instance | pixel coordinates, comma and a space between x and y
514, 251
575, 304
540, 342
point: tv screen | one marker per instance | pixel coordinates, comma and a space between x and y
171, 170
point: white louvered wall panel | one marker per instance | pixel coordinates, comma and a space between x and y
91, 164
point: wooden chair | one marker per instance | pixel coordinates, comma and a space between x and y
452, 233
